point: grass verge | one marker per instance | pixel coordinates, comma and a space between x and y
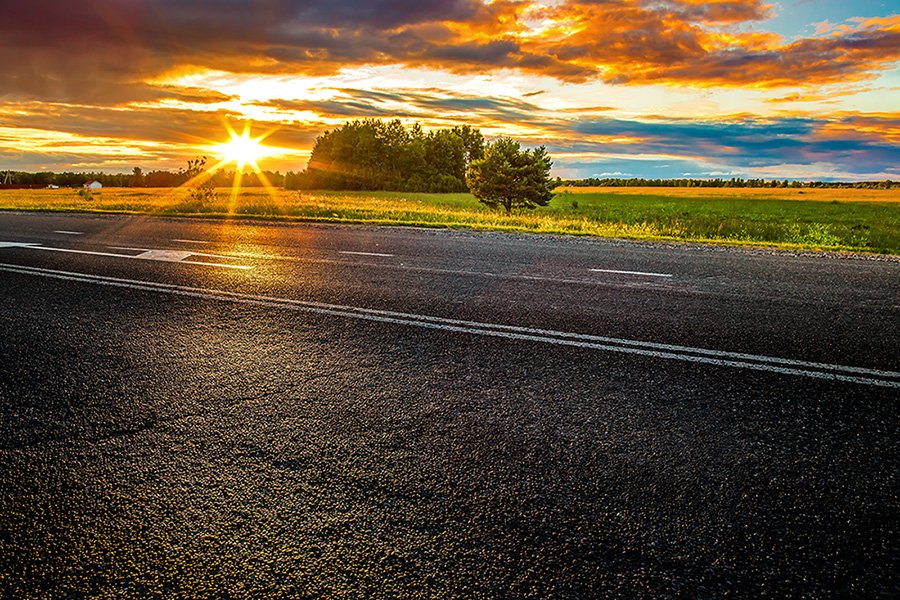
841, 220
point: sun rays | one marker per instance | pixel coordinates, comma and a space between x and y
242, 151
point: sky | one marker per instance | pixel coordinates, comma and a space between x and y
797, 89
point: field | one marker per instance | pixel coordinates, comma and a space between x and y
820, 219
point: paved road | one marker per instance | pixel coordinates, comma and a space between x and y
210, 408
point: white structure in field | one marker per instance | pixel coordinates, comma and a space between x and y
93, 184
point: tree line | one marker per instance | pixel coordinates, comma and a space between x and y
734, 182
137, 178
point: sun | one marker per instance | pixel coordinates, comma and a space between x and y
243, 150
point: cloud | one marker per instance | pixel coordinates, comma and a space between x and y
858, 143
718, 11
106, 51
428, 106
671, 42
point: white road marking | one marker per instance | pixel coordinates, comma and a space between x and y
62, 231
177, 256
17, 245
460, 272
365, 253
632, 273
787, 366
191, 241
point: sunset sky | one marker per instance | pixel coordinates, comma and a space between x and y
806, 89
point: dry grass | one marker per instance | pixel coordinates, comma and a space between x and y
855, 220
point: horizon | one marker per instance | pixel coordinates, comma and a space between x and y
803, 90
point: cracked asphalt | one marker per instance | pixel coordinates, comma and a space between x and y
160, 444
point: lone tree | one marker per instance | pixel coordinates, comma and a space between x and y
510, 177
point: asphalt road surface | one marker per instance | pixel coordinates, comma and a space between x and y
222, 409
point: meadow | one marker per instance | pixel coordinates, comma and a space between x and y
809, 218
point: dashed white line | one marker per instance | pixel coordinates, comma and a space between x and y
176, 256
809, 369
439, 271
64, 232
365, 253
632, 273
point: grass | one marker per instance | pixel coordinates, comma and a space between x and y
819, 219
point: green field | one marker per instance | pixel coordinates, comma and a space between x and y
821, 219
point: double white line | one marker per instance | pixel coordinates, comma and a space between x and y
815, 370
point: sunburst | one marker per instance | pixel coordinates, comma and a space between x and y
243, 151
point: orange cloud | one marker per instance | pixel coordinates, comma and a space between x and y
672, 42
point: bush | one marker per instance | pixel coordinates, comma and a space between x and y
202, 192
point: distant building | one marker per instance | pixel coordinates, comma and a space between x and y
93, 184
52, 187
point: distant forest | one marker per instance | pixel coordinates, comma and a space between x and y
137, 178
336, 180
734, 182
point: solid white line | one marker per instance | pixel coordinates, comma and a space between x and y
365, 253
813, 370
68, 232
191, 241
632, 273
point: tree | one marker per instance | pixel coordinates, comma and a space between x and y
445, 159
472, 140
137, 178
510, 177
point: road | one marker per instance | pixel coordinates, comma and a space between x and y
213, 408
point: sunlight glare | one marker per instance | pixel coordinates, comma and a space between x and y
242, 149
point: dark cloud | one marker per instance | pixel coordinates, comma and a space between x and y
815, 61
854, 142
157, 128
426, 105
105, 50
714, 11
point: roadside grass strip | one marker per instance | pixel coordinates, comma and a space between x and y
856, 220
720, 358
